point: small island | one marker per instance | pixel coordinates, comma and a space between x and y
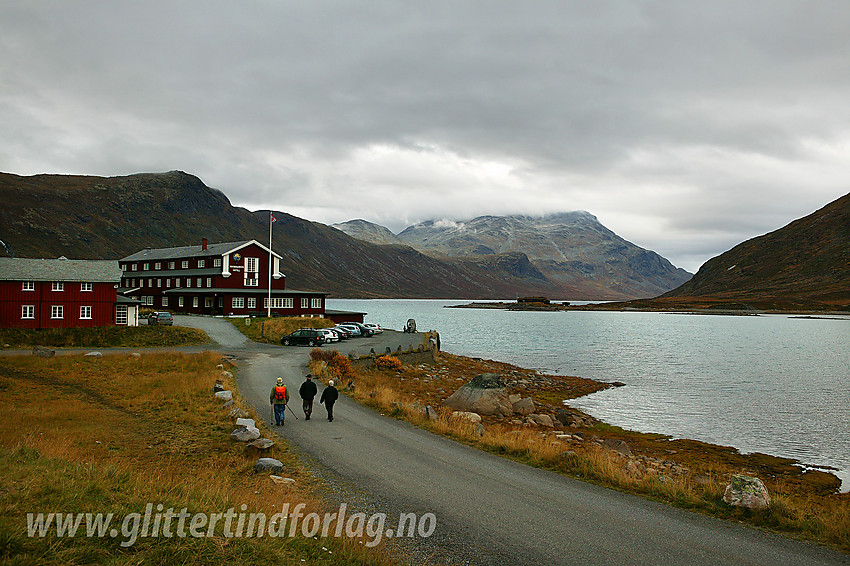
521, 304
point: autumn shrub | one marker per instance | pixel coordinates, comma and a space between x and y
337, 365
387, 362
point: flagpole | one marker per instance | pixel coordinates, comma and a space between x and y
271, 221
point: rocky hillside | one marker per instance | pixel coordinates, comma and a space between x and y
805, 265
572, 250
110, 217
369, 232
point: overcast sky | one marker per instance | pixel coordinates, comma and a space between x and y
685, 127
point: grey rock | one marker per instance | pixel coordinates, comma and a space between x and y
524, 406
261, 443
268, 465
94, 354
136, 355
42, 352
478, 430
619, 446
514, 397
224, 395
245, 434
431, 414
541, 420
485, 395
241, 421
467, 415
747, 491
238, 412
227, 374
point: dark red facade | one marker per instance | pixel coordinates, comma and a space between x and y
35, 304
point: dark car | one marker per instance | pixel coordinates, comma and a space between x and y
163, 318
309, 336
364, 330
341, 333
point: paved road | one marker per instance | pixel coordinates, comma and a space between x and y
491, 510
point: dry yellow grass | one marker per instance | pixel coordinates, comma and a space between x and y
270, 330
104, 435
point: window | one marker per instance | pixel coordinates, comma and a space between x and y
134, 267
123, 267
170, 265
209, 281
188, 282
157, 266
217, 262
159, 282
86, 287
252, 282
148, 300
145, 266
120, 314
195, 302
28, 286
57, 286
179, 301
184, 264
252, 303
150, 283
316, 303
85, 313
208, 302
165, 301
57, 311
278, 303
251, 265
238, 302
305, 302
28, 311
168, 282
201, 263
198, 282
221, 302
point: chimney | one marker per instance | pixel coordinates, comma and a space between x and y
203, 243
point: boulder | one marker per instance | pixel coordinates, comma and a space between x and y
524, 406
224, 395
94, 354
573, 418
485, 395
227, 374
431, 414
541, 420
218, 386
135, 355
257, 447
478, 430
245, 434
280, 480
618, 446
514, 397
42, 352
228, 404
466, 415
268, 465
241, 421
747, 491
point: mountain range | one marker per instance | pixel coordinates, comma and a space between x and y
87, 217
573, 250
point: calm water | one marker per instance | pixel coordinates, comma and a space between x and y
774, 384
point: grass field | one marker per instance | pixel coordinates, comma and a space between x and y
103, 337
112, 435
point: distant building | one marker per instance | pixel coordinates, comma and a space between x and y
223, 279
62, 293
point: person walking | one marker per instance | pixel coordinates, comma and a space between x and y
329, 397
308, 393
279, 397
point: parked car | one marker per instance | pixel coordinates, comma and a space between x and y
364, 330
352, 329
330, 335
162, 318
342, 333
309, 336
373, 327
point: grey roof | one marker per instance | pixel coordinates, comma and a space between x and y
88, 270
220, 249
336, 312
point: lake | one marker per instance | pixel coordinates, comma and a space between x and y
777, 384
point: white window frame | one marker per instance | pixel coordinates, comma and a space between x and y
85, 312
316, 303
252, 265
171, 265
121, 314
157, 266
146, 266
57, 312
217, 262
27, 312
209, 281
134, 267
184, 264
87, 287
179, 301
123, 267
150, 283
202, 263
159, 282
164, 301
188, 282
237, 302
168, 283
57, 286
252, 303
199, 282
195, 302
252, 282
305, 303
28, 286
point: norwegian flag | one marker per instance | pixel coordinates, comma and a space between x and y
273, 219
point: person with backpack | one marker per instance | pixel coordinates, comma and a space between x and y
308, 393
329, 397
279, 397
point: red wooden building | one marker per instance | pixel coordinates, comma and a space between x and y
223, 279
62, 293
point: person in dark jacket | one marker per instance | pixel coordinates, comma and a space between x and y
307, 392
329, 397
